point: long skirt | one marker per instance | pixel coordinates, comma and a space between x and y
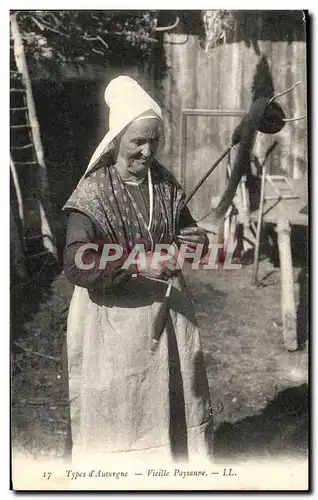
124, 400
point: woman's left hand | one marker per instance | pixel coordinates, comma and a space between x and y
192, 236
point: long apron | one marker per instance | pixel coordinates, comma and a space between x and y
125, 401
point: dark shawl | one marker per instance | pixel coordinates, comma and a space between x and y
105, 199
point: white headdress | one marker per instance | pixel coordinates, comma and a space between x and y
126, 101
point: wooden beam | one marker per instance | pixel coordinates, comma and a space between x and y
259, 228
23, 69
287, 284
17, 190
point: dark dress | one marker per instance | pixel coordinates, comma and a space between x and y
125, 401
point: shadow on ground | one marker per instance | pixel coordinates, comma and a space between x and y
280, 429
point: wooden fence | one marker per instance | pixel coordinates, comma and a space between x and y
273, 58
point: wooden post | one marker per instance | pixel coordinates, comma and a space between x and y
246, 219
287, 284
259, 227
228, 215
36, 135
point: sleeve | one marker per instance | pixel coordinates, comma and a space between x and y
186, 219
82, 231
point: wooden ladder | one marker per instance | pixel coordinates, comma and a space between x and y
27, 166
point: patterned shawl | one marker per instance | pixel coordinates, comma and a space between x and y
104, 198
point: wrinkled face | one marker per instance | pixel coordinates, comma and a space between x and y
138, 146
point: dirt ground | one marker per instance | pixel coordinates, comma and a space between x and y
259, 390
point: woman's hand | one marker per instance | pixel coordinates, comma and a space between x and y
192, 236
159, 270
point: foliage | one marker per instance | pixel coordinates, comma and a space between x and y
86, 36
219, 24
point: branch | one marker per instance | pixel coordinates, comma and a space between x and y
168, 28
39, 25
94, 38
40, 401
43, 26
98, 51
54, 17
29, 351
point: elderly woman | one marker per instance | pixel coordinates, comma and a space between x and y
123, 397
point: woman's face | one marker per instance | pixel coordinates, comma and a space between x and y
138, 146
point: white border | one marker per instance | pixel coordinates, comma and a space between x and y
4, 256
